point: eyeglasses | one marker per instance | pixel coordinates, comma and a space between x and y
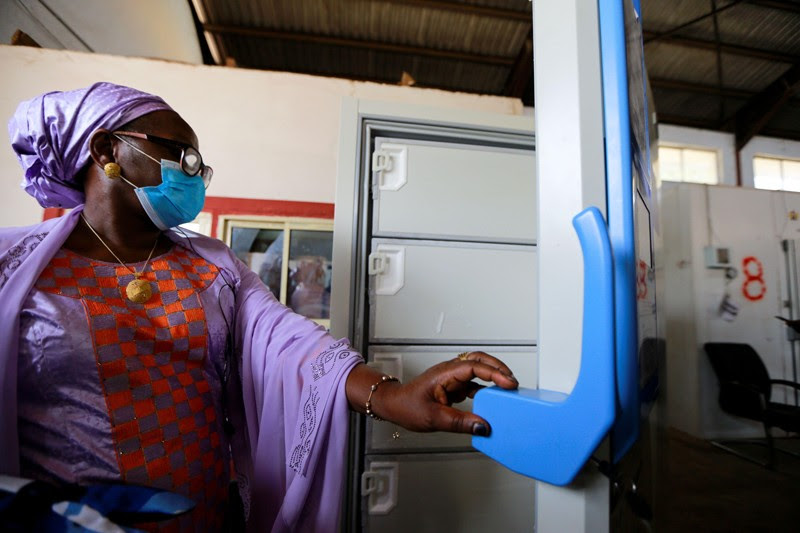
191, 161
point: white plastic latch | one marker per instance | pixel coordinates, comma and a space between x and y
379, 484
387, 264
381, 160
388, 363
389, 166
377, 263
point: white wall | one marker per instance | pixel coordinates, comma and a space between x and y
682, 392
725, 146
268, 135
750, 223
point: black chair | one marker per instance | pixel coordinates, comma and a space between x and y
745, 390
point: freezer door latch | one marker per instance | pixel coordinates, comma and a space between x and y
388, 363
379, 486
377, 263
387, 265
389, 167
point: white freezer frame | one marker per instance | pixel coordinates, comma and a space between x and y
570, 170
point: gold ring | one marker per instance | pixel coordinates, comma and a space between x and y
463, 356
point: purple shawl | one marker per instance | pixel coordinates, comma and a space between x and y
290, 409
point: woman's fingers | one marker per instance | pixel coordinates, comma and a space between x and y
473, 388
424, 404
448, 418
485, 358
460, 372
456, 392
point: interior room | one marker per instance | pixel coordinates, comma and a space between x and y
601, 197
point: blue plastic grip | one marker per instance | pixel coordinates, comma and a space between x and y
550, 435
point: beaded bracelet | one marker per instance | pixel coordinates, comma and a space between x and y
372, 389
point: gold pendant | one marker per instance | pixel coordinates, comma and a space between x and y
139, 290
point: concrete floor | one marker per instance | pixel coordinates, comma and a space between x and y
706, 489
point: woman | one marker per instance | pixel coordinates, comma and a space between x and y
134, 351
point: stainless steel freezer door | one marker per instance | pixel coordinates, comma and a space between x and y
454, 191
407, 362
463, 492
430, 292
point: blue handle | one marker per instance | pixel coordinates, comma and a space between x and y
550, 435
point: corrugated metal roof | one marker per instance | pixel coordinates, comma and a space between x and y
666, 60
380, 22
758, 26
702, 72
272, 54
664, 15
750, 73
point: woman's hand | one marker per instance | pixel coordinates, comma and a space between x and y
424, 404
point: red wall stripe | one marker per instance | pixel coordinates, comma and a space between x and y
52, 212
220, 205
250, 206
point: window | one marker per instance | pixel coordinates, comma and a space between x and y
776, 174
688, 165
293, 257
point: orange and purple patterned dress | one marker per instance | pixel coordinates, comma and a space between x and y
115, 391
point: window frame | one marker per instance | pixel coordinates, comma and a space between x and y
697, 148
227, 223
781, 160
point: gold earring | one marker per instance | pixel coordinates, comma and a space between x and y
112, 170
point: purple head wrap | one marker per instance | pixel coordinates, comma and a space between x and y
50, 135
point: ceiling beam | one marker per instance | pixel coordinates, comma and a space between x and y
713, 90
20, 38
360, 44
522, 72
705, 124
205, 47
751, 118
734, 49
469, 9
678, 85
785, 5
781, 133
386, 81
690, 122
219, 55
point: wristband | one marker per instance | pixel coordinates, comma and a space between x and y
372, 390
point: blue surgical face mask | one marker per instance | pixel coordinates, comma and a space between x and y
177, 200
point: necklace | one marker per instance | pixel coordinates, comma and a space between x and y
138, 290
